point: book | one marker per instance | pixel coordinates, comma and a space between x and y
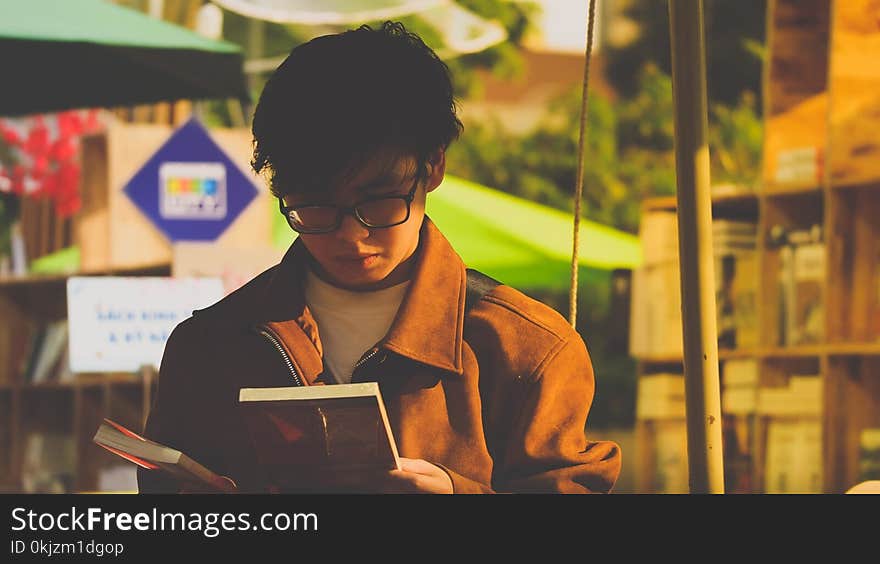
48, 462
308, 438
670, 457
745, 299
794, 456
151, 455
809, 275
869, 454
29, 359
49, 354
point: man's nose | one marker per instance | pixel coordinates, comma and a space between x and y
351, 229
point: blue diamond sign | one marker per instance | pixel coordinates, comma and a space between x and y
190, 189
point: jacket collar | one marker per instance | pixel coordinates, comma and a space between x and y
429, 324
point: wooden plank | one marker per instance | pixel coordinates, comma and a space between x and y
840, 265
796, 97
855, 93
133, 239
162, 113
798, 54
91, 229
862, 294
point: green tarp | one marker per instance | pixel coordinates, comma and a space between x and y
64, 54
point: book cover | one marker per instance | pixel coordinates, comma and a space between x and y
29, 360
48, 356
869, 454
151, 455
786, 295
809, 276
309, 437
745, 299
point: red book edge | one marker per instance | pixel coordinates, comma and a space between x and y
223, 483
124, 430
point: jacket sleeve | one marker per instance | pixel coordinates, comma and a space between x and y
548, 450
167, 420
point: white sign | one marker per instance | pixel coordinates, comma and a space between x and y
119, 324
192, 190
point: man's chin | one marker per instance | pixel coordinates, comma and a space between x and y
358, 281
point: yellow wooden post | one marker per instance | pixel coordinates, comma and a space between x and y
702, 384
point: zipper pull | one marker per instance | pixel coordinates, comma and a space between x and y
375, 353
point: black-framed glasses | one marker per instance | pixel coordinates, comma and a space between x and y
376, 213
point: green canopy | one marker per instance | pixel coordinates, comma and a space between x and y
521, 243
64, 54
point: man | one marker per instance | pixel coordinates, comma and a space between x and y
350, 133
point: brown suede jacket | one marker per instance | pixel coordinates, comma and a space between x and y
501, 406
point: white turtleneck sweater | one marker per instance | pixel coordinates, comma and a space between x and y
350, 323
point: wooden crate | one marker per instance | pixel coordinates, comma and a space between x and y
110, 230
822, 94
854, 141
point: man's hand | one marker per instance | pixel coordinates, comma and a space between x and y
418, 476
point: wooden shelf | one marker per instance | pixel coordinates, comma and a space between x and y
772, 191
660, 203
744, 196
844, 186
670, 203
801, 351
82, 381
819, 168
724, 354
854, 349
161, 269
660, 359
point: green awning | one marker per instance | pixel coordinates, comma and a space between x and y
64, 54
521, 243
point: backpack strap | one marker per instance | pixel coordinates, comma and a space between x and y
478, 285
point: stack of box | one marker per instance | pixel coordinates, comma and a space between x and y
801, 398
661, 400
794, 456
655, 314
739, 399
656, 326
739, 391
794, 435
660, 396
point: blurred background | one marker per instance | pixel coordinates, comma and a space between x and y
95, 268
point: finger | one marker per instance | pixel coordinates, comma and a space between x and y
398, 481
418, 466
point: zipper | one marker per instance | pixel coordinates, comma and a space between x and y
364, 360
286, 357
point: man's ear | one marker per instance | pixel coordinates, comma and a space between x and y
436, 169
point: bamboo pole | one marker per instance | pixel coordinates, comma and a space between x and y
702, 384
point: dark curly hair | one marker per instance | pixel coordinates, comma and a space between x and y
339, 100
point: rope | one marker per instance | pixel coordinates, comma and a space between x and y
579, 181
